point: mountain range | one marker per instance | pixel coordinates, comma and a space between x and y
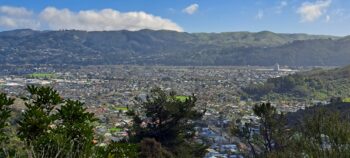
148, 47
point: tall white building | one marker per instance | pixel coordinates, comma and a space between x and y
277, 67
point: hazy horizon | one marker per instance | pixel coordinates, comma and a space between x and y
238, 31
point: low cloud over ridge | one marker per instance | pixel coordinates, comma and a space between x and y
90, 20
310, 12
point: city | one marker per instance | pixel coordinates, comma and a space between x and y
109, 91
174, 79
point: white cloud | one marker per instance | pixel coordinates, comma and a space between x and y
310, 12
191, 9
15, 11
106, 19
17, 17
17, 23
90, 20
281, 6
259, 15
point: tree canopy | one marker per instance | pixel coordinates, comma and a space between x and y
167, 119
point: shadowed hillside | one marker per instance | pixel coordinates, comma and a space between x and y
147, 47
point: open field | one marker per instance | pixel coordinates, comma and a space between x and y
182, 97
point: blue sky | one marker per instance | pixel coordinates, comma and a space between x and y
284, 16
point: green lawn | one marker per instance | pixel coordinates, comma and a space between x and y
182, 97
121, 108
346, 100
115, 129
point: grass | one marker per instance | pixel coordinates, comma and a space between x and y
115, 129
346, 100
182, 97
121, 108
42, 75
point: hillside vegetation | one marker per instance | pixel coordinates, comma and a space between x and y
314, 84
147, 47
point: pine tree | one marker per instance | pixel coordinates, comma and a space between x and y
167, 119
53, 127
76, 126
5, 113
37, 117
273, 132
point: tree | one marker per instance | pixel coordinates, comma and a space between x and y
273, 130
122, 149
46, 98
150, 148
167, 119
246, 133
76, 126
323, 134
5, 113
53, 127
36, 119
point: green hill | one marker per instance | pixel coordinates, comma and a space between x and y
316, 84
147, 47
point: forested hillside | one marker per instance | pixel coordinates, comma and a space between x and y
314, 84
147, 47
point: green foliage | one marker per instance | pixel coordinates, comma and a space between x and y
315, 84
52, 127
121, 108
36, 123
245, 133
273, 132
165, 118
182, 98
347, 100
325, 134
37, 118
76, 126
121, 149
46, 98
190, 150
319, 132
33, 124
150, 148
53, 131
273, 127
115, 129
5, 113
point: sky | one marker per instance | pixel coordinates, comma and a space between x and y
328, 17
